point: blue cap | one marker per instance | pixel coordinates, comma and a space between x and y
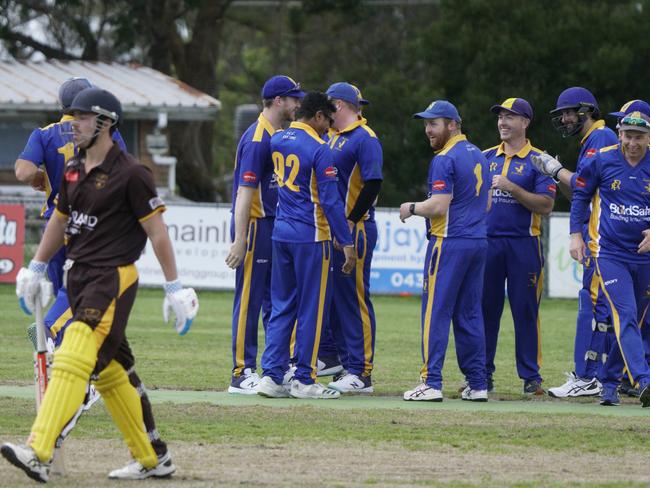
346, 92
633, 106
281, 86
437, 109
517, 106
575, 97
69, 89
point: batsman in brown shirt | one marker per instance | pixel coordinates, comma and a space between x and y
107, 209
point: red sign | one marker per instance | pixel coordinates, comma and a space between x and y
581, 182
591, 152
438, 185
249, 177
12, 240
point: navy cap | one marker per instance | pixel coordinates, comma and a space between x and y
346, 92
69, 89
633, 106
281, 86
575, 97
437, 109
517, 106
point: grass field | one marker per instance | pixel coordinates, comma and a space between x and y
226, 441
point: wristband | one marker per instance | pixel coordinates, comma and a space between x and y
555, 174
412, 209
173, 286
37, 267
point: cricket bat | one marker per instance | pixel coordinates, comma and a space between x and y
42, 365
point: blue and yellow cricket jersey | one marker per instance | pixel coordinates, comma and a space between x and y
308, 200
596, 138
358, 158
621, 204
461, 169
254, 168
508, 217
52, 147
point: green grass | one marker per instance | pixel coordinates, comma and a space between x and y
202, 358
506, 448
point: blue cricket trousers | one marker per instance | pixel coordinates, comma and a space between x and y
301, 296
453, 283
519, 262
252, 293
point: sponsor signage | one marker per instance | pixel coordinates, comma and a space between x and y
12, 241
564, 274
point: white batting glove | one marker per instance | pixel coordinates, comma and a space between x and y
547, 165
32, 285
183, 302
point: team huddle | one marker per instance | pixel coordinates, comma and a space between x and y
310, 164
307, 176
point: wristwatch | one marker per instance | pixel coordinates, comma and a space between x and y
412, 209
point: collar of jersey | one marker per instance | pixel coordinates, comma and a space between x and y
307, 128
523, 152
451, 143
264, 122
66, 118
109, 160
354, 125
599, 124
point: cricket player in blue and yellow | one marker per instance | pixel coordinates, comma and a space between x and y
254, 199
520, 196
310, 210
616, 181
358, 159
577, 113
41, 164
455, 259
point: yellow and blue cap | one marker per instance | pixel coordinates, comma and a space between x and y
633, 106
346, 92
281, 86
635, 121
517, 106
439, 109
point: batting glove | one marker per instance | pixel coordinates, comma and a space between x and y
547, 165
183, 302
31, 286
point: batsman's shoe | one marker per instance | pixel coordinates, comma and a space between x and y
610, 396
474, 395
329, 366
314, 390
245, 384
136, 471
533, 387
23, 457
92, 397
423, 393
576, 387
627, 388
644, 397
270, 389
490, 386
351, 383
288, 378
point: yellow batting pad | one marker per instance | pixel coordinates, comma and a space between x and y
71, 369
123, 402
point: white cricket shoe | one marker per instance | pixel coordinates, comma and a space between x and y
474, 395
329, 366
136, 471
270, 389
244, 384
288, 378
314, 390
24, 457
351, 383
423, 393
576, 387
92, 397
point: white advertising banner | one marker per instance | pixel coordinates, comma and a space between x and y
201, 239
564, 274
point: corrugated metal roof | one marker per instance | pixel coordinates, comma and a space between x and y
27, 86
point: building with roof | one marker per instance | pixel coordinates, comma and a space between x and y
29, 99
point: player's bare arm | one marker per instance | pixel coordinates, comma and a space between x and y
539, 204
242, 213
52, 237
577, 247
350, 259
433, 206
28, 172
162, 245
